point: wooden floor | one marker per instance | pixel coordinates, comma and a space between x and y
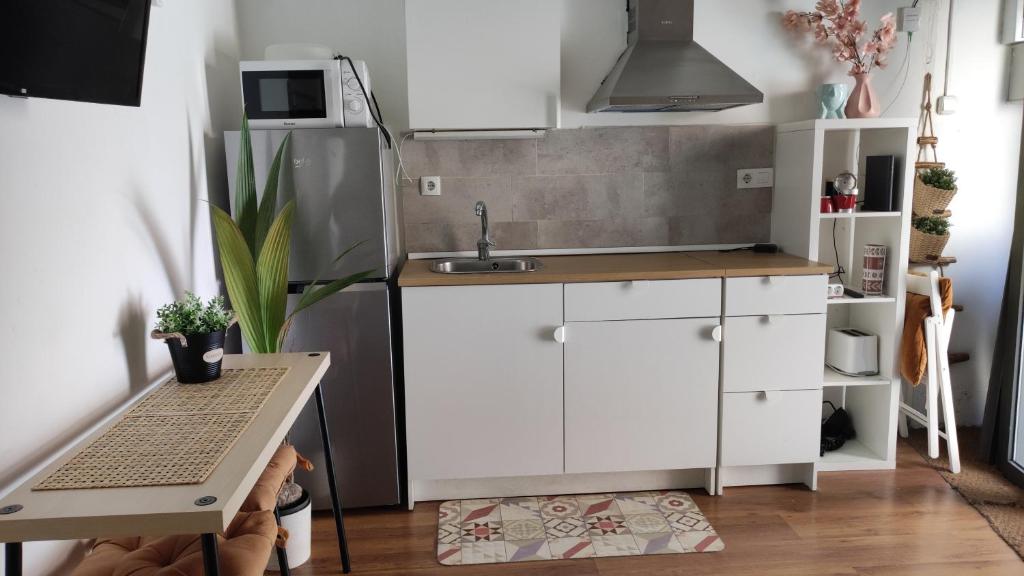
907, 521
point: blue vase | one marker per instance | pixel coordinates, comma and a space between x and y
832, 100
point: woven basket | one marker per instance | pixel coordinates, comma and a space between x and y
928, 200
924, 245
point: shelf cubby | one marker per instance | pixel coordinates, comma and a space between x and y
808, 154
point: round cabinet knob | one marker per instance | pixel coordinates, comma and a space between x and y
354, 105
559, 335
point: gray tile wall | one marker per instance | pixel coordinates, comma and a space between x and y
591, 188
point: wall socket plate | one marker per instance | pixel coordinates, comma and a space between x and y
755, 178
430, 186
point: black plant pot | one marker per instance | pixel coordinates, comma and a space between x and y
200, 360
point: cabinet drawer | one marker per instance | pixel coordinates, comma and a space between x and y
773, 352
772, 428
775, 295
643, 299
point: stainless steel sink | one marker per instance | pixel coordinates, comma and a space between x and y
491, 265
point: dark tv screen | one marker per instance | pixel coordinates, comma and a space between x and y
86, 50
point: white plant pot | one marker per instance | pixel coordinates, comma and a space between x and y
297, 519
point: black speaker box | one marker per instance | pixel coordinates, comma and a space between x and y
880, 184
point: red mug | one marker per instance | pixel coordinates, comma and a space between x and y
826, 205
845, 202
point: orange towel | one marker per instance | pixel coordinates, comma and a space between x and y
913, 352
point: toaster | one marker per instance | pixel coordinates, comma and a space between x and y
852, 352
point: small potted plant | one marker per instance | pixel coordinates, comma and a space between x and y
934, 189
928, 237
194, 333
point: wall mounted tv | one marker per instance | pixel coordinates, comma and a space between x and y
86, 50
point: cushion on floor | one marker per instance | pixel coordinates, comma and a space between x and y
263, 495
243, 551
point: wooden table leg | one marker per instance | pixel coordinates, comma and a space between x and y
12, 559
339, 524
282, 554
211, 564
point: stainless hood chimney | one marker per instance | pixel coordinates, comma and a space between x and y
663, 70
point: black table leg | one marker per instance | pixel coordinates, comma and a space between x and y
211, 564
282, 554
12, 559
339, 524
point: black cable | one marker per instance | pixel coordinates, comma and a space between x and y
370, 99
835, 248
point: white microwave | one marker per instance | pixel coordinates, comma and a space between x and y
306, 93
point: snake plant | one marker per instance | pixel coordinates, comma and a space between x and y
254, 249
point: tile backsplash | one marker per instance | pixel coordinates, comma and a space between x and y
591, 188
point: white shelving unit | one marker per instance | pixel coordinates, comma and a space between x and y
807, 155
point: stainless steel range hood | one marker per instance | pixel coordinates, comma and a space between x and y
664, 70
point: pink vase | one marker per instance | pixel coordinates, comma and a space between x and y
862, 102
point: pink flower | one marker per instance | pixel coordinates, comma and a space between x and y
838, 22
828, 8
820, 33
858, 28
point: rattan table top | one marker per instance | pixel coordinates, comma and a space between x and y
177, 434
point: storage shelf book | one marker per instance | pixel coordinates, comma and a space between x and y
807, 155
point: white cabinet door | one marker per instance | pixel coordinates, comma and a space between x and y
773, 353
483, 64
641, 395
483, 381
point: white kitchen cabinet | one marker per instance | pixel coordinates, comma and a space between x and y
640, 395
773, 352
774, 427
640, 299
773, 349
483, 64
483, 381
775, 295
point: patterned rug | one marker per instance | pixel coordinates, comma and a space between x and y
558, 527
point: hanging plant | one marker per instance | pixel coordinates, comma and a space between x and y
941, 178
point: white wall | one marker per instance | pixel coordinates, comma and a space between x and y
102, 219
371, 30
981, 142
593, 35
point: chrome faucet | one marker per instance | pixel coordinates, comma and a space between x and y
484, 244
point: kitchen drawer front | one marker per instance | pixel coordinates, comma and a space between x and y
775, 295
773, 352
643, 300
773, 428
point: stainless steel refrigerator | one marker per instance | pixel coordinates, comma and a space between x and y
341, 180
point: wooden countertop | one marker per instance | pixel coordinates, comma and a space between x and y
624, 267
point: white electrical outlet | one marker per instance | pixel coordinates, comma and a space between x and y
755, 178
430, 186
908, 19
